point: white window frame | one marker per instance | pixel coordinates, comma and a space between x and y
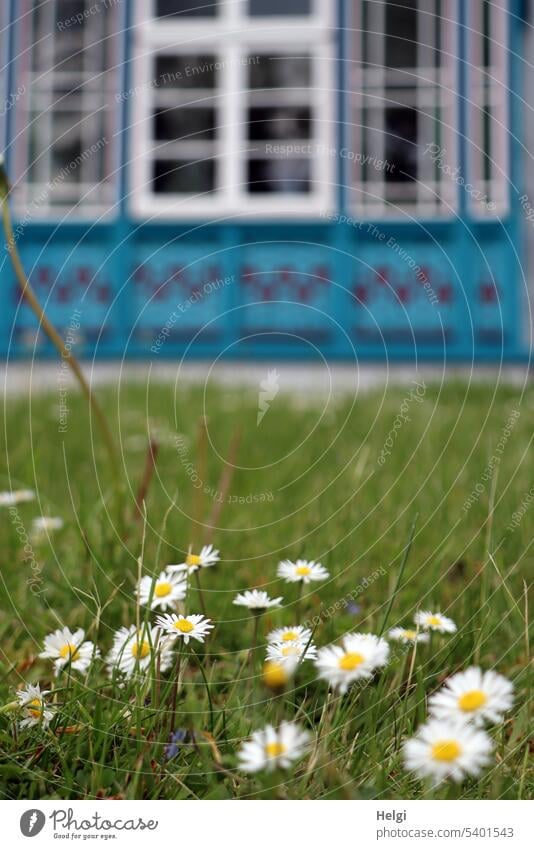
435, 199
489, 87
36, 196
230, 36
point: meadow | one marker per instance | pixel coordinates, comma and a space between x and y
415, 498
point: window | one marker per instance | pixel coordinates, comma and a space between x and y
488, 136
402, 144
64, 150
231, 108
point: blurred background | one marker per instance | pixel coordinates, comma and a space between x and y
291, 179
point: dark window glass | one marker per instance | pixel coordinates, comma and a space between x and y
287, 176
187, 71
279, 122
401, 34
183, 177
187, 8
277, 71
279, 7
401, 144
184, 123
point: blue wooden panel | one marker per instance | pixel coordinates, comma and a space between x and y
286, 289
495, 275
76, 286
405, 293
178, 292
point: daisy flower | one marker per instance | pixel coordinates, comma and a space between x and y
208, 557
34, 708
302, 570
43, 525
273, 748
444, 749
408, 635
294, 650
276, 674
357, 657
289, 634
19, 496
66, 647
168, 589
473, 694
135, 650
434, 622
194, 627
256, 600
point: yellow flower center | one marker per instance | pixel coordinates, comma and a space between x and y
351, 660
274, 750
69, 651
140, 650
192, 560
35, 708
288, 651
289, 636
274, 675
410, 635
472, 700
163, 589
446, 750
303, 570
184, 626
434, 620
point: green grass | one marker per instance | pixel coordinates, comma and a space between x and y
308, 484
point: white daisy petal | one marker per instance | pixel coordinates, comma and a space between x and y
68, 648
289, 651
166, 590
134, 651
304, 571
272, 748
256, 600
194, 627
429, 621
473, 695
357, 657
19, 496
208, 557
408, 635
34, 708
444, 750
289, 633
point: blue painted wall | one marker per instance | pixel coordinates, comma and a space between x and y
295, 289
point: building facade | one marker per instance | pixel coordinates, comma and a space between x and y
282, 178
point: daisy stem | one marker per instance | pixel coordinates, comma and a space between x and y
253, 648
202, 672
299, 602
65, 353
10, 706
200, 593
175, 687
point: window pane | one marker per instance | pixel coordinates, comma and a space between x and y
401, 34
184, 123
401, 144
279, 122
187, 8
183, 176
279, 7
194, 70
288, 176
280, 71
